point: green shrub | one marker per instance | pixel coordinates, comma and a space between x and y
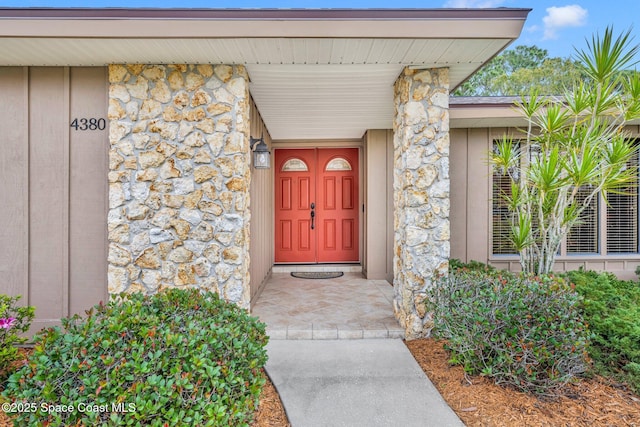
456, 264
13, 322
180, 357
612, 309
522, 331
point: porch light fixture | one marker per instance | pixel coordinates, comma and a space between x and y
261, 154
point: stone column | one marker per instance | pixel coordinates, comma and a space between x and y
421, 192
179, 179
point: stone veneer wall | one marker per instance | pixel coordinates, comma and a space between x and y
421, 192
179, 179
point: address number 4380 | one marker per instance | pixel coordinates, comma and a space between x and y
92, 123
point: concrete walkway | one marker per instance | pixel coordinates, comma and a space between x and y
365, 382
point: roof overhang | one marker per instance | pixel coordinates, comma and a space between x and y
315, 73
490, 112
485, 112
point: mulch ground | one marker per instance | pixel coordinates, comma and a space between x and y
479, 402
270, 413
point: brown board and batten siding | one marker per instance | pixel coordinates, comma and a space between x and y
54, 189
471, 210
469, 174
262, 199
377, 245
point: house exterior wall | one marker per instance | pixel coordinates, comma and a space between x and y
57, 178
262, 211
470, 194
471, 209
421, 192
54, 203
390, 207
55, 197
179, 178
377, 261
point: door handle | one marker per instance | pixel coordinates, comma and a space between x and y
313, 215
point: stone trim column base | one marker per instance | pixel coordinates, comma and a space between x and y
421, 192
179, 179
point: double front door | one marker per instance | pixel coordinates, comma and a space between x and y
316, 205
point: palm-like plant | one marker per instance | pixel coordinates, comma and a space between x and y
574, 148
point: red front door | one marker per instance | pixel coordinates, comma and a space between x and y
316, 205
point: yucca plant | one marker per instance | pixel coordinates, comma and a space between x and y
574, 148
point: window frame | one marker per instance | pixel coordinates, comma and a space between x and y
601, 223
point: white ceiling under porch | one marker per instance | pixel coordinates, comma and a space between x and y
339, 88
315, 73
323, 101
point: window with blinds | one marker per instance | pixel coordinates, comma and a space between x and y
501, 224
583, 236
621, 235
622, 219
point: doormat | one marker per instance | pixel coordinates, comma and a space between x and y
317, 274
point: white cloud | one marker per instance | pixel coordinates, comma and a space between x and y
532, 29
470, 4
561, 17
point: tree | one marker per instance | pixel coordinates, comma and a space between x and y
516, 71
574, 148
524, 57
551, 77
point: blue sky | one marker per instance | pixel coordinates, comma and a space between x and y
555, 25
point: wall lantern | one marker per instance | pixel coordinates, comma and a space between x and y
261, 155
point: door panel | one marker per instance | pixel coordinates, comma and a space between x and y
338, 169
304, 198
326, 179
347, 193
304, 233
286, 241
285, 186
348, 238
329, 201
295, 186
329, 228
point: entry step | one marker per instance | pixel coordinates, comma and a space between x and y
313, 268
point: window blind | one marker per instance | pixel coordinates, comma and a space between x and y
583, 237
622, 218
500, 222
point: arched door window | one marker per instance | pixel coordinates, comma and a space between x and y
338, 164
294, 165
